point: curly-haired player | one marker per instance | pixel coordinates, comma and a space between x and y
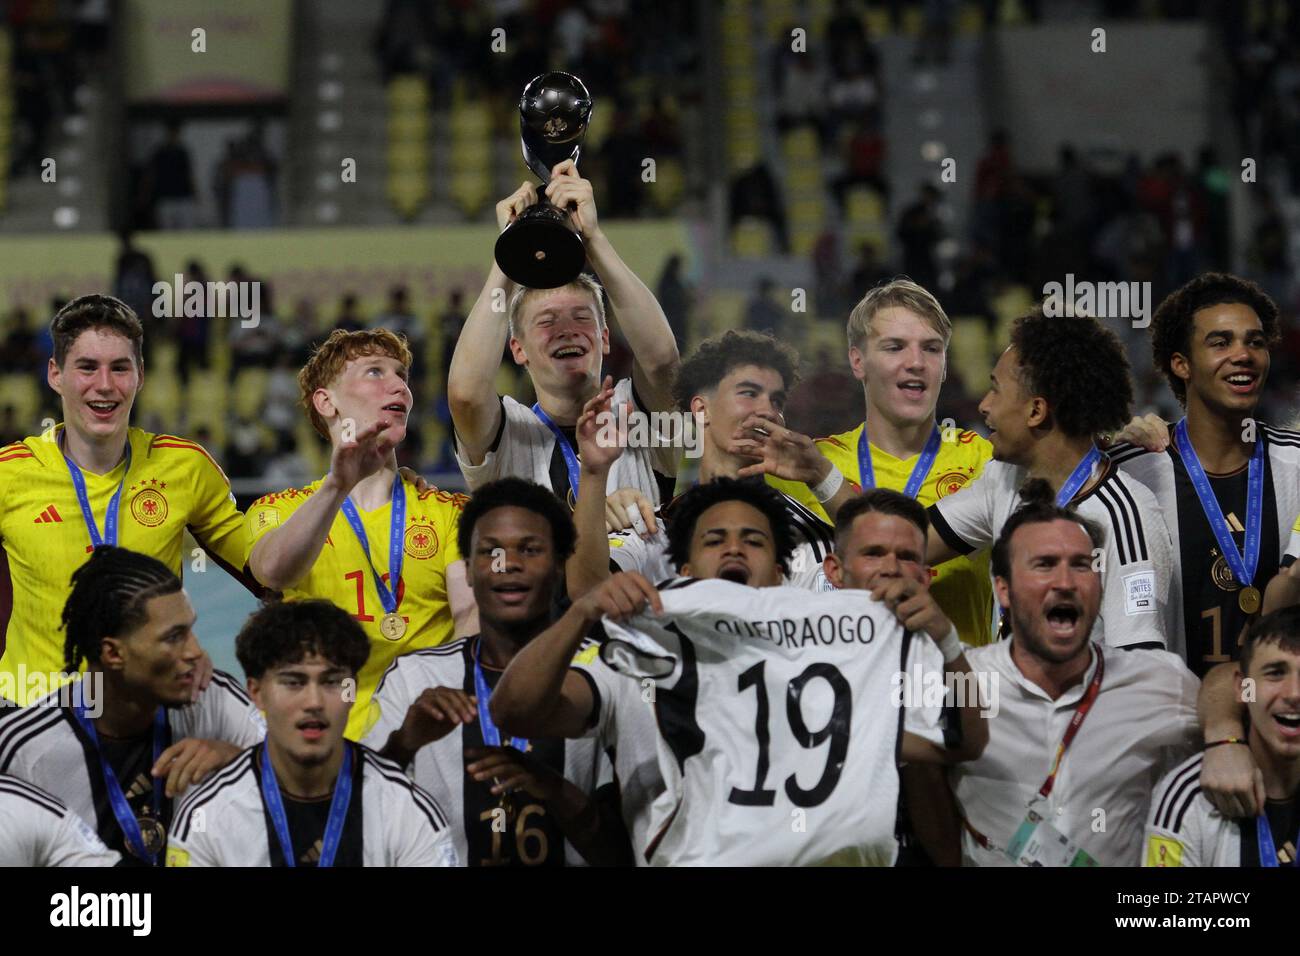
363, 536
1060, 383
1211, 338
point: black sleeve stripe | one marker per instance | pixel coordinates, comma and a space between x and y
229, 683
1121, 488
1121, 529
442, 650
676, 584
393, 774
208, 790
817, 533
1125, 452
596, 701
17, 787
950, 537
1175, 794
23, 728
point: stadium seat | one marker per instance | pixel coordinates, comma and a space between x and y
752, 238
407, 92
249, 396
407, 192
470, 190
669, 185
969, 349
23, 392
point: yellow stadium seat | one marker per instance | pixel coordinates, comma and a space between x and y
863, 206
878, 23
23, 392
800, 145
970, 348
250, 392
470, 190
669, 185
752, 238
408, 157
599, 127
407, 192
407, 125
408, 92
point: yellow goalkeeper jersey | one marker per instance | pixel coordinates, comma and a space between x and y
342, 575
172, 484
962, 586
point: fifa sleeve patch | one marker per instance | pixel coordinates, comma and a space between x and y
1161, 851
1140, 593
177, 857
264, 518
587, 654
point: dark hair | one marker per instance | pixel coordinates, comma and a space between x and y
1079, 366
714, 358
517, 493
95, 312
885, 501
1171, 326
1039, 507
284, 632
689, 506
1282, 627
109, 597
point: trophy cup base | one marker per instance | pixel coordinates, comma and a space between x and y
540, 252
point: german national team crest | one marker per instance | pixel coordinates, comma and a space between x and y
421, 541
951, 481
149, 505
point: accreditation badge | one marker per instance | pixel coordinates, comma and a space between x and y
1038, 843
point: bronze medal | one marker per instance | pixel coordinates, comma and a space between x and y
1249, 599
152, 833
392, 626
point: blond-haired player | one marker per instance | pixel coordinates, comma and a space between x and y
898, 337
559, 336
363, 536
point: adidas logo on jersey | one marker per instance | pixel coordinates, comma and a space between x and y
49, 516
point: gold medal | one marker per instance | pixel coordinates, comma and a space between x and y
152, 833
392, 626
1249, 600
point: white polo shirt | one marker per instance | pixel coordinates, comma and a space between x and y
1142, 724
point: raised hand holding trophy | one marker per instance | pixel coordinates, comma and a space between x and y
539, 249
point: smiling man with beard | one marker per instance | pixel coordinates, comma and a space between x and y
364, 536
539, 801
1082, 733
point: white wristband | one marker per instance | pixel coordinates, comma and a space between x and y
829, 486
951, 647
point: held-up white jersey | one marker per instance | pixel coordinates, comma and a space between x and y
525, 448
814, 540
780, 719
223, 821
1141, 594
623, 726
37, 829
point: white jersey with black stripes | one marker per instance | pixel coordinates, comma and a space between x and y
1141, 595
223, 821
38, 829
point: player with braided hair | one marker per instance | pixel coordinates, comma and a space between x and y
119, 745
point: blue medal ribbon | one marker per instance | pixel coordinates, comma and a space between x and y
570, 456
1243, 567
1267, 849
110, 518
1082, 472
919, 470
491, 733
396, 533
116, 798
338, 808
